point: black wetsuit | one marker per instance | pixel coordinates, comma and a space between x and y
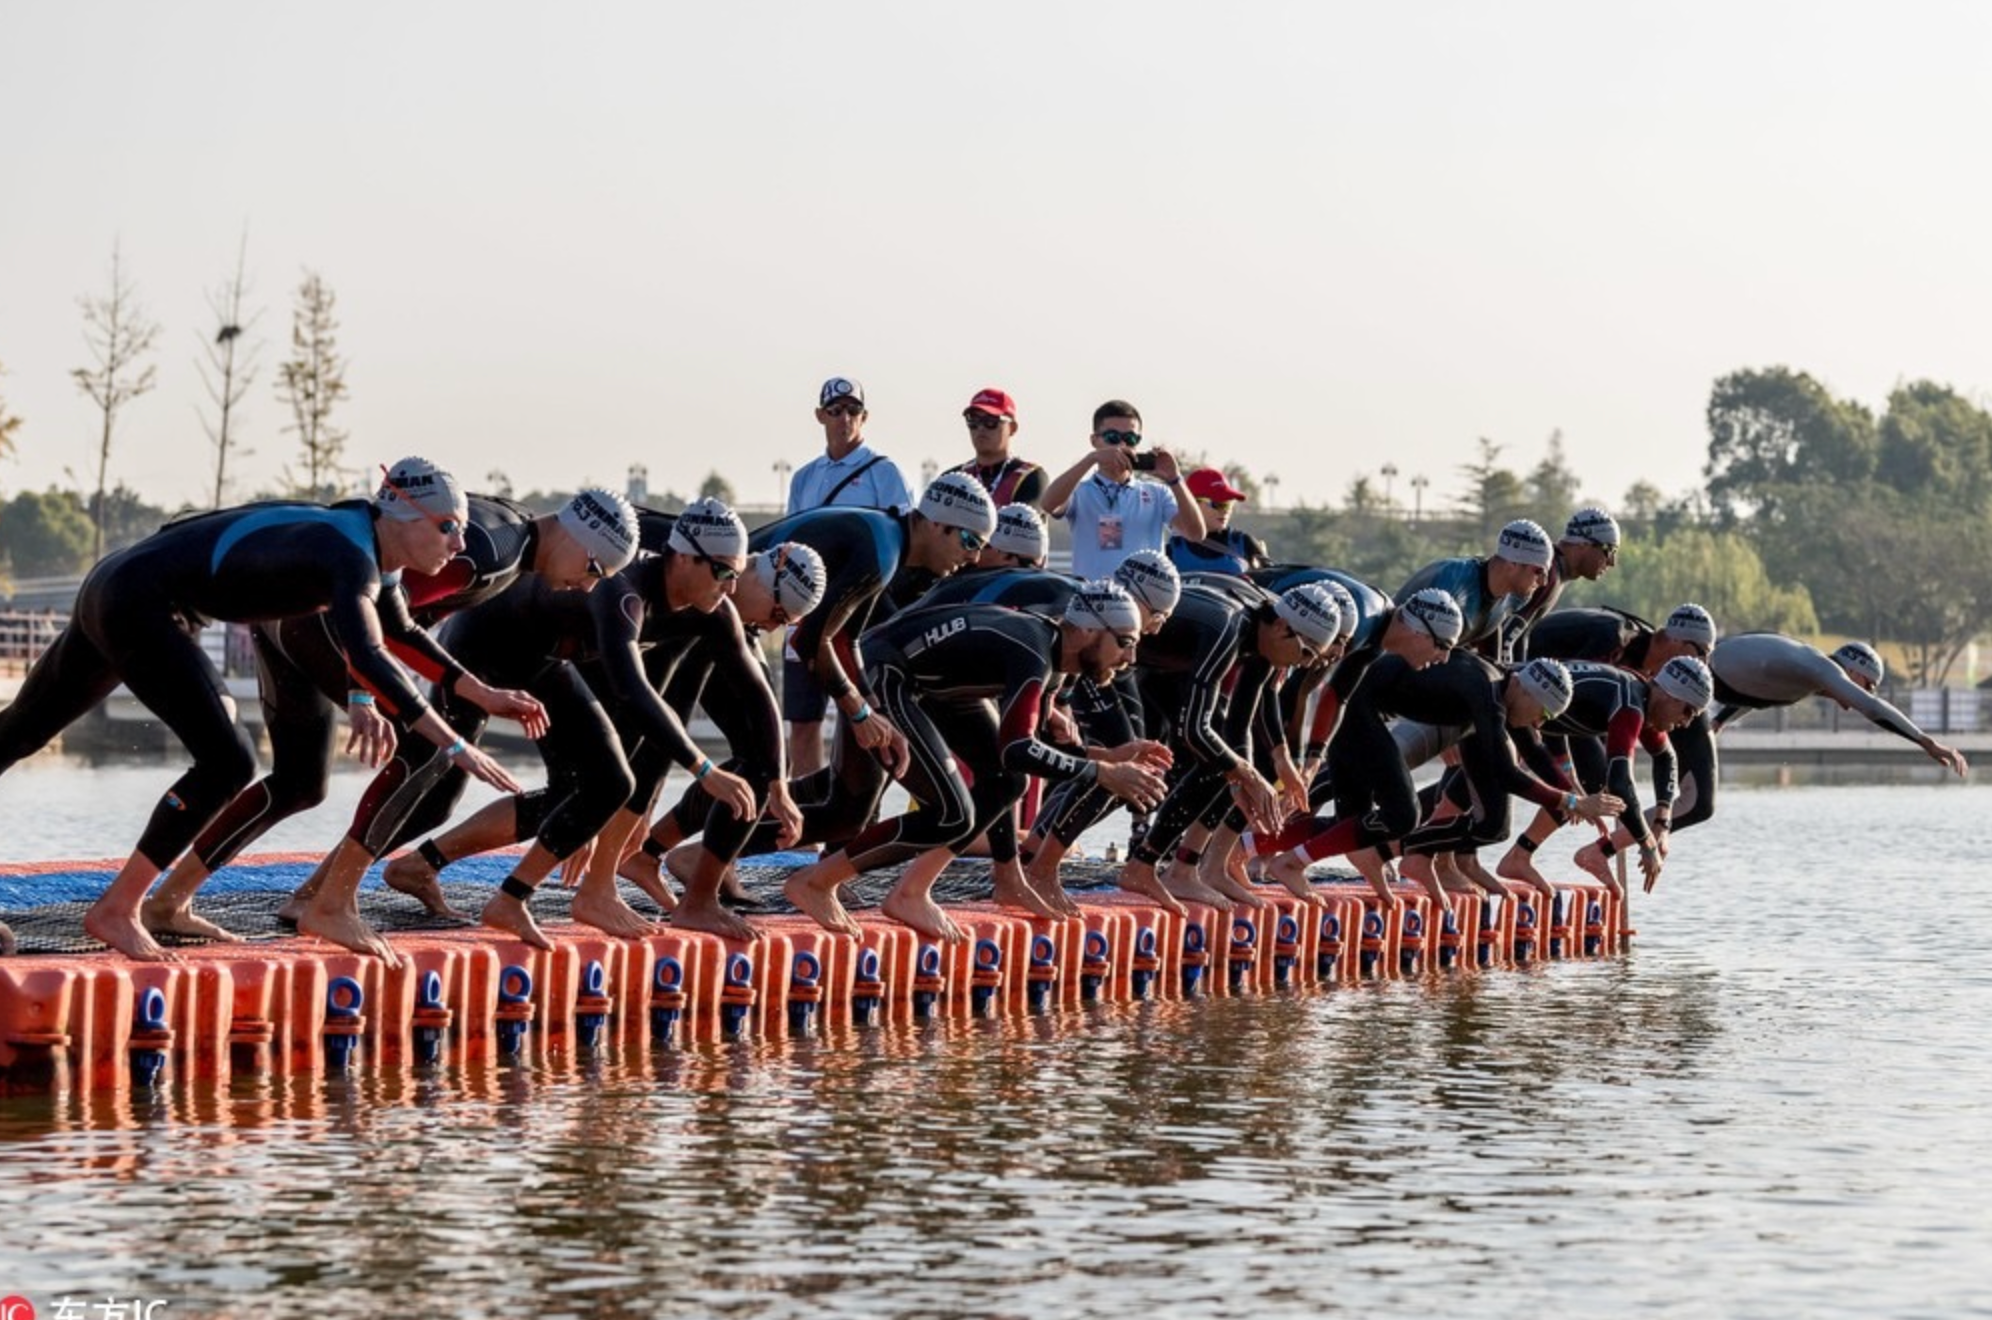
1605, 722
629, 640
966, 682
304, 682
865, 552
137, 620
1615, 637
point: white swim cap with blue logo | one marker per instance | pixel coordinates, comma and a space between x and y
1020, 531
955, 499
1103, 603
1150, 578
1345, 601
416, 488
708, 527
1524, 542
1686, 679
1860, 661
1548, 681
1311, 612
1592, 525
604, 524
1435, 612
794, 574
1691, 623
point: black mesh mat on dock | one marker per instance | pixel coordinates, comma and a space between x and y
252, 913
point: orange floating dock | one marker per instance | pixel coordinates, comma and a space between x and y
83, 1022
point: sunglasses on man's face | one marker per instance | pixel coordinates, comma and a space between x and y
982, 421
845, 410
1128, 438
970, 541
721, 572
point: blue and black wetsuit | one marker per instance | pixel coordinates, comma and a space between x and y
137, 621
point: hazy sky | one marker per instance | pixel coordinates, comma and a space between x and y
1310, 238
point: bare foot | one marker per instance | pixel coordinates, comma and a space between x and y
709, 916
343, 925
1238, 891
645, 872
1418, 870
1054, 896
1591, 860
508, 914
1290, 873
1013, 889
408, 872
1182, 881
123, 932
1519, 865
294, 907
166, 918
924, 915
607, 912
731, 888
1138, 879
820, 905
1470, 867
8, 944
425, 889
1436, 891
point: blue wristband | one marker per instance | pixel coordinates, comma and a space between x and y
455, 749
705, 768
359, 698
862, 713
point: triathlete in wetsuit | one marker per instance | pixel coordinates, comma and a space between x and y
1613, 712
1375, 802
1587, 551
137, 618
970, 682
304, 679
878, 564
1489, 590
1614, 637
1206, 674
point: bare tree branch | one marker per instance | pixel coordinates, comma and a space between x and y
228, 366
118, 333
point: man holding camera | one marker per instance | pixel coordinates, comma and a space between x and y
1112, 514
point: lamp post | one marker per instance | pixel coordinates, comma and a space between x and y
1389, 479
782, 469
1418, 484
1272, 484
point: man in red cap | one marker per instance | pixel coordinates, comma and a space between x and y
1222, 548
992, 420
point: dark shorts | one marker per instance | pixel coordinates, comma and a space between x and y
804, 700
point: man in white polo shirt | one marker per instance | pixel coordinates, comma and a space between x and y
849, 472
1112, 513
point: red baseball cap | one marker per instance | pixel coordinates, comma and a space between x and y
1209, 484
995, 402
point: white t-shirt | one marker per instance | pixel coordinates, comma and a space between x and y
1111, 521
881, 487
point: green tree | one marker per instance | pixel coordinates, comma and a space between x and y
1494, 495
1720, 570
1769, 429
1639, 507
46, 535
1552, 489
1935, 442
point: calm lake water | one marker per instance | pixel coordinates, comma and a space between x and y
1776, 1106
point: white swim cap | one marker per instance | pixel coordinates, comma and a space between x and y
1860, 661
708, 527
1020, 531
1524, 542
1686, 679
1311, 612
1549, 683
1437, 613
416, 488
1345, 601
1150, 578
1592, 525
1691, 623
605, 525
1103, 603
955, 499
793, 573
